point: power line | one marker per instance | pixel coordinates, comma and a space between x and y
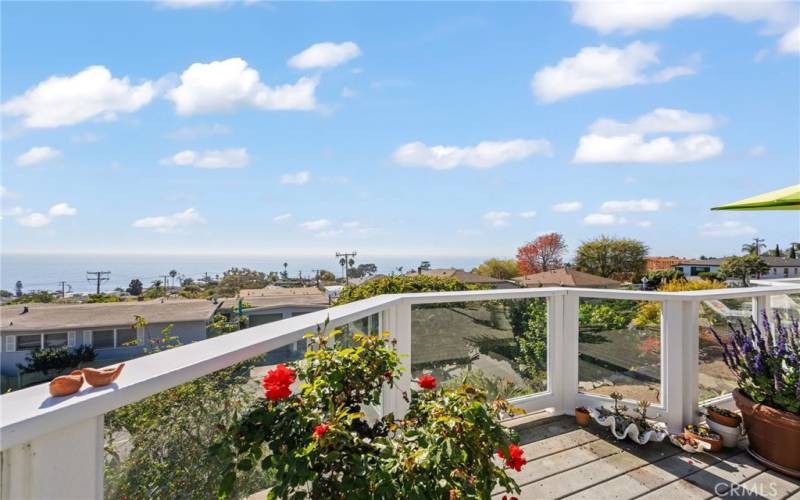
63, 285
347, 257
99, 277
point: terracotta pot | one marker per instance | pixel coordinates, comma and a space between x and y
66, 384
103, 376
582, 417
715, 444
723, 419
774, 434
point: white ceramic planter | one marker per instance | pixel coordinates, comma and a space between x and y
630, 431
730, 435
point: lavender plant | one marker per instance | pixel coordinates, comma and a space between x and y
765, 361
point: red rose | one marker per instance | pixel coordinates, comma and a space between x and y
509, 498
276, 383
387, 374
320, 430
427, 382
515, 458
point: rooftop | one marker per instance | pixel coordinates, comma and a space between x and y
277, 296
71, 316
566, 276
461, 275
770, 260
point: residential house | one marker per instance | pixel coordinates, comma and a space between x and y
779, 267
661, 263
468, 278
566, 276
107, 327
265, 305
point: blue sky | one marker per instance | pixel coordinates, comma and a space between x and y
420, 128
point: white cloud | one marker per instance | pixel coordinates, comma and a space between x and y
348, 92
727, 228
282, 217
628, 16
790, 42
645, 223
316, 225
62, 210
12, 212
528, 215
597, 219
761, 55
659, 120
213, 159
92, 93
330, 233
567, 206
168, 223
497, 219
757, 150
37, 155
325, 55
195, 132
231, 84
34, 219
487, 154
6, 193
633, 148
298, 178
643, 205
602, 67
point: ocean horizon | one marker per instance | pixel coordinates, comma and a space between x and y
46, 271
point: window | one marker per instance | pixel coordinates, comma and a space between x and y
299, 313
103, 339
697, 270
125, 335
786, 271
28, 342
55, 339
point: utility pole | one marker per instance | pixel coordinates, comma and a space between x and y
63, 290
99, 276
165, 283
316, 275
347, 258
758, 242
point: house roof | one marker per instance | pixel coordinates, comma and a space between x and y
272, 297
566, 276
770, 260
45, 317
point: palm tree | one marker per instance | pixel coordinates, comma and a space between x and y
172, 275
343, 263
753, 248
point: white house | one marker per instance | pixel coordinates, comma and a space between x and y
779, 267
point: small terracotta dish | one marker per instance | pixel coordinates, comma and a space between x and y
103, 376
66, 384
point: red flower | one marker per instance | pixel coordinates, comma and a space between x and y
515, 458
320, 430
387, 374
427, 382
276, 383
509, 498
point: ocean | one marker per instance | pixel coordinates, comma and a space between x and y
46, 271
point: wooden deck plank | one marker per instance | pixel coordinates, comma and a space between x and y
718, 479
768, 484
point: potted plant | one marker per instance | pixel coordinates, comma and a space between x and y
704, 434
639, 428
582, 416
317, 442
723, 416
768, 374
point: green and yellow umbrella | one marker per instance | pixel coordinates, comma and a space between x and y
787, 198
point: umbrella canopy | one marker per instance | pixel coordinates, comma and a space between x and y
787, 198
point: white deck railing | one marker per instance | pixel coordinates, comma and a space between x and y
53, 447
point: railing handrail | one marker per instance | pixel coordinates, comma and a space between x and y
30, 413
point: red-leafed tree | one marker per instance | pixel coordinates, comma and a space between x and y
542, 254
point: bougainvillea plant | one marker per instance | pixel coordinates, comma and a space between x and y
765, 361
319, 442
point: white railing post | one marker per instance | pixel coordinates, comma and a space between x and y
679, 360
566, 366
397, 321
67, 463
761, 303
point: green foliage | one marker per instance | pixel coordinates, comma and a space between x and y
743, 267
503, 269
605, 315
711, 276
38, 296
400, 284
494, 387
319, 444
222, 324
135, 287
326, 276
657, 278
765, 361
158, 447
101, 298
616, 258
6, 294
56, 358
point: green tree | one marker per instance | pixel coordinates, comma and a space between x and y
743, 267
235, 279
503, 269
617, 258
135, 287
18, 288
172, 275
326, 276
792, 252
400, 284
753, 248
6, 294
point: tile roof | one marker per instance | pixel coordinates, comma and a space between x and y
566, 276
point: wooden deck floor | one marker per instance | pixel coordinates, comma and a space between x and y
566, 461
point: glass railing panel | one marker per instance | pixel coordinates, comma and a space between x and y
714, 377
500, 346
619, 346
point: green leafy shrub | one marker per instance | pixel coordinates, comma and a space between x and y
56, 359
319, 443
401, 284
